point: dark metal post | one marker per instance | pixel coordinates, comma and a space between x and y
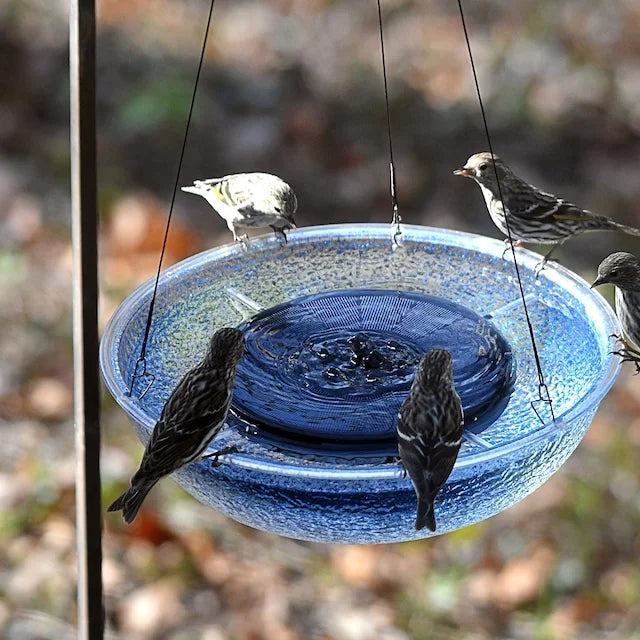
82, 40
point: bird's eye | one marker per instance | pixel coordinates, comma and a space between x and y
483, 166
278, 209
613, 273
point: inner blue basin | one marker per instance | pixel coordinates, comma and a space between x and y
335, 367
335, 322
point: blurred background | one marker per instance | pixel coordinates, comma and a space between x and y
294, 87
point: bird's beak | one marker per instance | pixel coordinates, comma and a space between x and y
597, 282
191, 189
467, 173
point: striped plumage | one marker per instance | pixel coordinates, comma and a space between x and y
534, 216
430, 424
623, 270
190, 419
250, 200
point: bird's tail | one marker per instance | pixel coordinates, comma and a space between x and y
598, 223
632, 231
425, 516
131, 501
192, 189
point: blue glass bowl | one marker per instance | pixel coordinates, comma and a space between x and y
335, 322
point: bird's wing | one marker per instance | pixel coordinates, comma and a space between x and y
234, 191
196, 408
530, 202
430, 432
169, 450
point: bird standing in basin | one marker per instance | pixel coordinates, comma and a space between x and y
430, 426
623, 270
250, 200
190, 419
534, 216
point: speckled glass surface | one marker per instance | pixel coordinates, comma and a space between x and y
331, 495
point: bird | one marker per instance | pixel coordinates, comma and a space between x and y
430, 424
190, 419
250, 200
534, 215
623, 270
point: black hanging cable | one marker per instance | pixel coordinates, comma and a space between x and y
392, 171
142, 360
543, 389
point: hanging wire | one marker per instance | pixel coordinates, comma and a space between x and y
396, 232
543, 389
141, 362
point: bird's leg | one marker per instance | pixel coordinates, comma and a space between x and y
547, 258
627, 353
629, 356
222, 452
241, 239
398, 460
279, 233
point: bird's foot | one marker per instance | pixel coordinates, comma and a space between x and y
215, 457
398, 460
547, 258
507, 247
626, 345
541, 266
280, 234
243, 240
629, 356
627, 353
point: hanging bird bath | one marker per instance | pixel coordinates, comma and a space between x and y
335, 323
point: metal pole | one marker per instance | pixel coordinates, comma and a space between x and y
82, 40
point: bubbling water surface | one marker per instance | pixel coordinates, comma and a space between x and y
335, 367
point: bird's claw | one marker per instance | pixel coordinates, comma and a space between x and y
280, 235
507, 247
215, 457
398, 460
243, 240
541, 266
627, 353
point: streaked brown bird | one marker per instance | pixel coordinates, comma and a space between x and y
623, 270
190, 419
534, 215
250, 200
430, 426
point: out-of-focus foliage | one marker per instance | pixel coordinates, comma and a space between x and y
294, 87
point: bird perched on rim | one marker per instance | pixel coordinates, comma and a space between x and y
250, 200
190, 419
534, 216
623, 270
430, 426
